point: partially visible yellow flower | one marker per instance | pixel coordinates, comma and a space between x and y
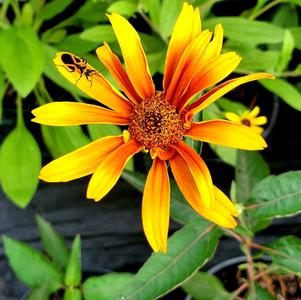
157, 121
249, 118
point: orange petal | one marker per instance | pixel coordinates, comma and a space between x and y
72, 113
226, 133
113, 64
186, 66
156, 206
187, 27
220, 213
81, 162
94, 85
133, 55
199, 171
109, 171
222, 89
216, 70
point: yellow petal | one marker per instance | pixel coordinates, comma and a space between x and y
216, 70
133, 55
215, 46
199, 171
186, 66
262, 120
233, 117
81, 162
257, 129
222, 89
156, 206
226, 133
72, 113
254, 112
113, 64
220, 213
185, 30
94, 85
109, 171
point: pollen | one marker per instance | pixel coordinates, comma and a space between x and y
156, 123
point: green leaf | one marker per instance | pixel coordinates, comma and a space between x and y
72, 293
226, 154
276, 196
73, 273
53, 8
97, 131
31, 266
53, 243
62, 140
20, 161
99, 34
40, 293
286, 52
287, 254
204, 286
296, 33
229, 105
260, 294
21, 57
123, 7
240, 30
101, 287
169, 13
250, 169
153, 7
2, 92
281, 16
286, 91
27, 14
188, 249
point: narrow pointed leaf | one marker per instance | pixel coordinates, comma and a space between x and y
73, 273
53, 243
73, 294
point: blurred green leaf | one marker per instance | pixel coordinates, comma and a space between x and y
276, 196
31, 266
72, 293
188, 249
54, 244
281, 18
296, 33
75, 44
250, 169
101, 287
156, 62
53, 8
226, 154
27, 14
169, 13
40, 293
247, 31
123, 7
21, 57
62, 140
204, 286
20, 161
54, 36
37, 5
229, 105
286, 52
286, 91
73, 273
289, 253
2, 92
260, 294
99, 34
97, 131
152, 44
153, 7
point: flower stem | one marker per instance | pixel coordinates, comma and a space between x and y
264, 9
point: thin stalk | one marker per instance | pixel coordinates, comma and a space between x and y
265, 9
250, 266
276, 74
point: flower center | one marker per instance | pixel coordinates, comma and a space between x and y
246, 122
156, 123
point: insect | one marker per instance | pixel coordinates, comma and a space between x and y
77, 64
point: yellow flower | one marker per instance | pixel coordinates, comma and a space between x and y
249, 118
157, 121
